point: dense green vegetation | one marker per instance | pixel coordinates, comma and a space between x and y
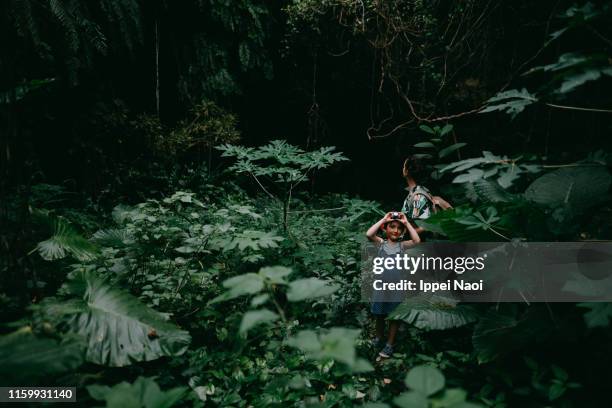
186, 187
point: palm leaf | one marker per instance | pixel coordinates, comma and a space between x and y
65, 240
112, 237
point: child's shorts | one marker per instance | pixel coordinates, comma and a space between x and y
383, 308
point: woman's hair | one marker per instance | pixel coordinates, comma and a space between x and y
416, 166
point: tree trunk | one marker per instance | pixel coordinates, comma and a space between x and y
157, 66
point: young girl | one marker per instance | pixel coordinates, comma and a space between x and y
394, 225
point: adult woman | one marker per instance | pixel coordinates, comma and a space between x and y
419, 204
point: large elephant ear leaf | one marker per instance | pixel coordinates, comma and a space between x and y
578, 187
434, 313
24, 357
118, 328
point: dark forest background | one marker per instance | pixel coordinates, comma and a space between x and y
315, 76
118, 111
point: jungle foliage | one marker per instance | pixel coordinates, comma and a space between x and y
186, 187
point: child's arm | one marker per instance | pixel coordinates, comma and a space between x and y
371, 233
414, 235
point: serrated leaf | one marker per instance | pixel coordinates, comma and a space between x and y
275, 274
337, 343
310, 288
471, 176
255, 317
246, 284
512, 102
599, 315
573, 81
144, 392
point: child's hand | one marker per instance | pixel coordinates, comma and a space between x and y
403, 219
389, 216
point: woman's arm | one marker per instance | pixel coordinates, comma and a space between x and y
439, 201
371, 233
416, 227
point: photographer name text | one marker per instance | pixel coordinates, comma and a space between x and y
426, 286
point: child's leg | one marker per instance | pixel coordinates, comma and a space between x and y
393, 326
380, 327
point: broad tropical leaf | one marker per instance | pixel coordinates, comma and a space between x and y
118, 328
425, 379
434, 313
25, 357
578, 187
